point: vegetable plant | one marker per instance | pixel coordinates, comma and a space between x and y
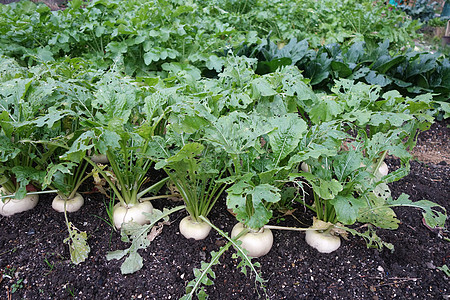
259, 150
22, 164
112, 132
66, 178
344, 169
216, 97
194, 170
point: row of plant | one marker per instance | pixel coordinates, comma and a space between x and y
241, 135
411, 73
192, 33
321, 22
149, 33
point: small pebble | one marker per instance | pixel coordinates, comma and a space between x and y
31, 231
430, 265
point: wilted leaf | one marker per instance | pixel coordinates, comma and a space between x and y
78, 247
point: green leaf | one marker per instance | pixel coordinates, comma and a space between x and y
151, 56
318, 69
116, 98
286, 136
378, 213
371, 238
78, 247
260, 195
341, 69
5, 124
445, 269
132, 263
116, 48
355, 52
345, 163
325, 109
265, 67
215, 62
51, 117
325, 189
421, 64
434, 214
52, 170
77, 150
110, 139
44, 54
347, 208
236, 194
385, 63
265, 193
24, 175
189, 117
118, 254
235, 132
8, 150
378, 79
188, 152
396, 119
261, 87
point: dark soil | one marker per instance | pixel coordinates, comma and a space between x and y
35, 263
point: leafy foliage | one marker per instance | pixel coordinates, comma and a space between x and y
411, 73
422, 10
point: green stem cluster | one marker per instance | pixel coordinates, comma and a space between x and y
324, 209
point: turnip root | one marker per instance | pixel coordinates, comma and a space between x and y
323, 236
257, 243
130, 212
324, 242
305, 167
100, 158
11, 206
72, 204
383, 169
191, 229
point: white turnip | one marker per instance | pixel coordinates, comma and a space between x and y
257, 243
72, 205
100, 159
305, 167
197, 230
383, 169
324, 242
131, 212
323, 236
11, 206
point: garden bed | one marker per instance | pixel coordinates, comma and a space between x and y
279, 129
35, 264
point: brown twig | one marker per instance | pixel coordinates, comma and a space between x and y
401, 280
